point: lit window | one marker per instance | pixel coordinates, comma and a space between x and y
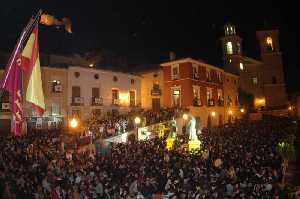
254, 80
241, 66
269, 42
56, 86
229, 47
115, 96
175, 97
230, 60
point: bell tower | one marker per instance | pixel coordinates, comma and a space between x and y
273, 75
232, 50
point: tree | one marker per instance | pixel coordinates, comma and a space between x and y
287, 151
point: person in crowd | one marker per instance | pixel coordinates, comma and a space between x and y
248, 166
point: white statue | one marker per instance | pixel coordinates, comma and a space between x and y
192, 129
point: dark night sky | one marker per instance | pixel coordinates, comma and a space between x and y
145, 31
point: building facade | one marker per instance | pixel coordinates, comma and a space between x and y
152, 87
96, 92
200, 87
264, 78
80, 92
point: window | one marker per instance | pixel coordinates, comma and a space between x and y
234, 82
241, 66
115, 79
208, 77
254, 80
220, 94
96, 76
219, 76
175, 72
209, 96
132, 81
75, 91
95, 92
229, 47
56, 86
115, 96
269, 43
196, 93
274, 80
229, 101
176, 97
132, 98
55, 109
77, 74
195, 71
76, 113
237, 100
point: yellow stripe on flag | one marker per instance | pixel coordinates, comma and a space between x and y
27, 51
34, 93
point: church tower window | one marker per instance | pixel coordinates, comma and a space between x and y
269, 43
229, 47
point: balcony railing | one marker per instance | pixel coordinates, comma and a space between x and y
220, 102
210, 102
156, 92
5, 107
77, 101
197, 102
115, 102
97, 101
196, 76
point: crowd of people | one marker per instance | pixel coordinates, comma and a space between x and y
117, 124
35, 167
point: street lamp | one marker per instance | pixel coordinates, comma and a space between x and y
73, 123
185, 116
242, 110
230, 112
137, 120
213, 113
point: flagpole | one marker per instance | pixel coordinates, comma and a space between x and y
24, 35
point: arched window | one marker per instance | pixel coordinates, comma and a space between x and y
269, 43
229, 47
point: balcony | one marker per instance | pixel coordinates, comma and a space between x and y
210, 102
197, 102
5, 107
220, 102
175, 77
115, 102
196, 76
77, 101
57, 88
97, 101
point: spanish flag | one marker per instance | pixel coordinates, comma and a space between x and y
31, 66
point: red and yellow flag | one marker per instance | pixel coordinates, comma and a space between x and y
31, 66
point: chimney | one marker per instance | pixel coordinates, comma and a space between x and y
172, 55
